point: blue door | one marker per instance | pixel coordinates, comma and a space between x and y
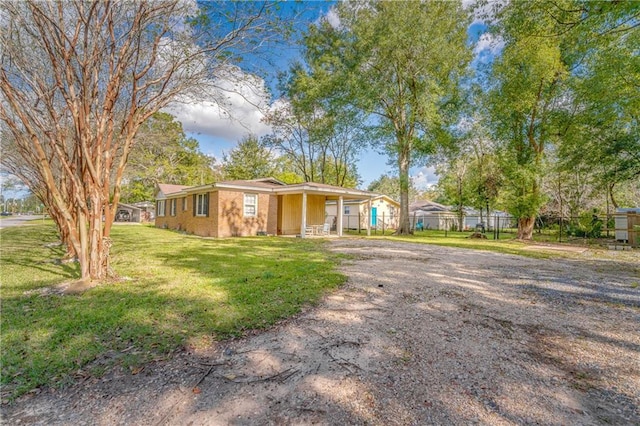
374, 216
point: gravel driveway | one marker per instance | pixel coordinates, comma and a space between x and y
419, 335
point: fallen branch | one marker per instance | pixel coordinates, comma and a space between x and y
281, 376
204, 376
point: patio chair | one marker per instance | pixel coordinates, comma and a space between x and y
325, 229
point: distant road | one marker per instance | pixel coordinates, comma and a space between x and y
9, 221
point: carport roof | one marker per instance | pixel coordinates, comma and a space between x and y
128, 206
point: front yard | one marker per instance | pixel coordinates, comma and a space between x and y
175, 291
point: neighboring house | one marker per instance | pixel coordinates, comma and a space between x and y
431, 215
249, 207
128, 213
384, 213
147, 210
473, 217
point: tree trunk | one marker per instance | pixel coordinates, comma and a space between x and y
525, 228
611, 196
96, 269
83, 253
488, 214
404, 227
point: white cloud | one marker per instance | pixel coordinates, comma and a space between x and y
425, 177
238, 105
488, 43
333, 18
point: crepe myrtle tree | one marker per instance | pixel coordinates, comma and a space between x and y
78, 78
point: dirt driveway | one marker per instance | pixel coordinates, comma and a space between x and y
419, 335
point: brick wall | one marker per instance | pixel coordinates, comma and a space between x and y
184, 220
226, 216
233, 222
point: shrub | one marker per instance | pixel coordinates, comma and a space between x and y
588, 225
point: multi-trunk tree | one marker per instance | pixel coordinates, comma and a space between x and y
603, 133
565, 84
321, 140
78, 79
525, 99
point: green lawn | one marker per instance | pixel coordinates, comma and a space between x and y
505, 244
176, 290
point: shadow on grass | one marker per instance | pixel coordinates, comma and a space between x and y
177, 291
47, 339
264, 279
30, 259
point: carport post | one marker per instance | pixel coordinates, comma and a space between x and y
340, 215
303, 226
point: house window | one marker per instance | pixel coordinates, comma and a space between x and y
392, 211
347, 209
184, 204
160, 208
250, 204
202, 205
172, 207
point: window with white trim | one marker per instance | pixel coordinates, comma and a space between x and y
160, 211
250, 204
347, 209
201, 204
172, 207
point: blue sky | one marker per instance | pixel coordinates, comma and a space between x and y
217, 134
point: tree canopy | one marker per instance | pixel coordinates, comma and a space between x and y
400, 66
250, 159
162, 153
557, 103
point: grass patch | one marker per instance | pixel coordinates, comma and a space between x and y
506, 244
179, 290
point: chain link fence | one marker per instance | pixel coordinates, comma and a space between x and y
618, 228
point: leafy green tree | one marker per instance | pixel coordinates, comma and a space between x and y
603, 133
399, 64
250, 159
285, 171
164, 154
321, 142
454, 185
568, 77
390, 186
484, 175
525, 100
